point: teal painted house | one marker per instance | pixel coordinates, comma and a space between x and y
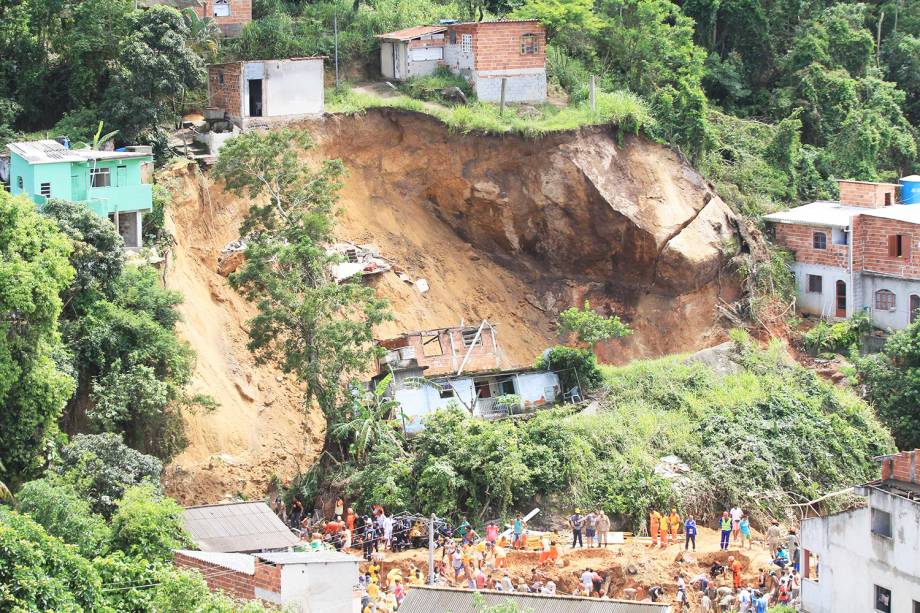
114, 184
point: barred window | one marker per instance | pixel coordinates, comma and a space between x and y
529, 44
466, 43
885, 300
819, 240
814, 284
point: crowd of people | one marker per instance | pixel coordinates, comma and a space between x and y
470, 560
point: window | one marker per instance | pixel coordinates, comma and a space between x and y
887, 198
814, 284
529, 44
446, 391
885, 300
431, 345
898, 246
220, 77
819, 240
453, 37
466, 43
506, 388
426, 54
45, 190
100, 177
882, 599
881, 523
469, 334
221, 8
19, 182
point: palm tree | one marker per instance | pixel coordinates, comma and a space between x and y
372, 421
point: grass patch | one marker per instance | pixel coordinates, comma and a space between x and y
431, 87
624, 110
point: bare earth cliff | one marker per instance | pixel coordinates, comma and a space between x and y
507, 229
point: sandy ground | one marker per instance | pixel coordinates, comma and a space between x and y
616, 563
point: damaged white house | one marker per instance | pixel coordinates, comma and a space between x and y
461, 365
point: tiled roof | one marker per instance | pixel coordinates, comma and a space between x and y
412, 33
424, 599
237, 527
837, 215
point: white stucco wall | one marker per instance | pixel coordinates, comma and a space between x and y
523, 85
532, 386
316, 587
293, 87
852, 560
825, 303
458, 61
419, 402
902, 288
386, 59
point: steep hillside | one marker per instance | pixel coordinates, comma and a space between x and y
502, 228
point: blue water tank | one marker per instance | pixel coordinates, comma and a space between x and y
910, 189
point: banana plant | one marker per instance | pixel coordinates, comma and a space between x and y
372, 420
99, 139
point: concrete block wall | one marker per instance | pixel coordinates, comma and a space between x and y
226, 95
865, 194
236, 584
518, 87
902, 467
800, 240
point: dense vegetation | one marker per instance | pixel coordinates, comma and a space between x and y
770, 434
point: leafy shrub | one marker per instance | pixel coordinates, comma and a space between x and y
575, 367
431, 87
148, 525
838, 336
60, 509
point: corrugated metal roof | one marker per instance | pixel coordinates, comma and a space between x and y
411, 33
308, 557
51, 151
237, 527
834, 214
471, 23
240, 562
450, 600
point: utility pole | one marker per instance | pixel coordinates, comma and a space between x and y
335, 35
431, 549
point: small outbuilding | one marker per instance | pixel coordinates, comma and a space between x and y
484, 52
238, 527
265, 91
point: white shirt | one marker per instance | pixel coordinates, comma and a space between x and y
736, 514
587, 580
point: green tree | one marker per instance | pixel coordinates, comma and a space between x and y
370, 421
34, 270
101, 468
64, 513
148, 525
590, 327
902, 61
309, 324
892, 383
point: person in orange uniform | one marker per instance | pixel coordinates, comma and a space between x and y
654, 518
735, 567
674, 521
664, 531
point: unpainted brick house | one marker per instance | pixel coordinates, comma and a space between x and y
484, 52
260, 92
229, 15
861, 253
434, 368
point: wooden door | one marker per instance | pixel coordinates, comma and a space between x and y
841, 299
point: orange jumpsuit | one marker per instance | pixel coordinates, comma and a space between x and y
654, 518
674, 520
664, 531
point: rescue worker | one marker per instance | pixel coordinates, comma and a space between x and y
674, 520
654, 518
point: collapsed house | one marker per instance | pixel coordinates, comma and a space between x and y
260, 92
357, 260
485, 53
460, 365
115, 185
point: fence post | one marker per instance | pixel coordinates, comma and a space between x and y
501, 108
592, 95
431, 550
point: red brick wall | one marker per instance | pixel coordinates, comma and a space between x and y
240, 15
226, 96
800, 240
497, 45
870, 236
483, 356
902, 467
238, 585
869, 195
268, 577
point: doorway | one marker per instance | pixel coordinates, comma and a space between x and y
255, 97
914, 306
841, 299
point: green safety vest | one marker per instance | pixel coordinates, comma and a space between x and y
726, 523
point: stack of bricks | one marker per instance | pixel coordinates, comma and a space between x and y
902, 467
234, 583
800, 240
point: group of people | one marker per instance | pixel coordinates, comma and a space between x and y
385, 594
772, 588
664, 529
593, 528
735, 525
